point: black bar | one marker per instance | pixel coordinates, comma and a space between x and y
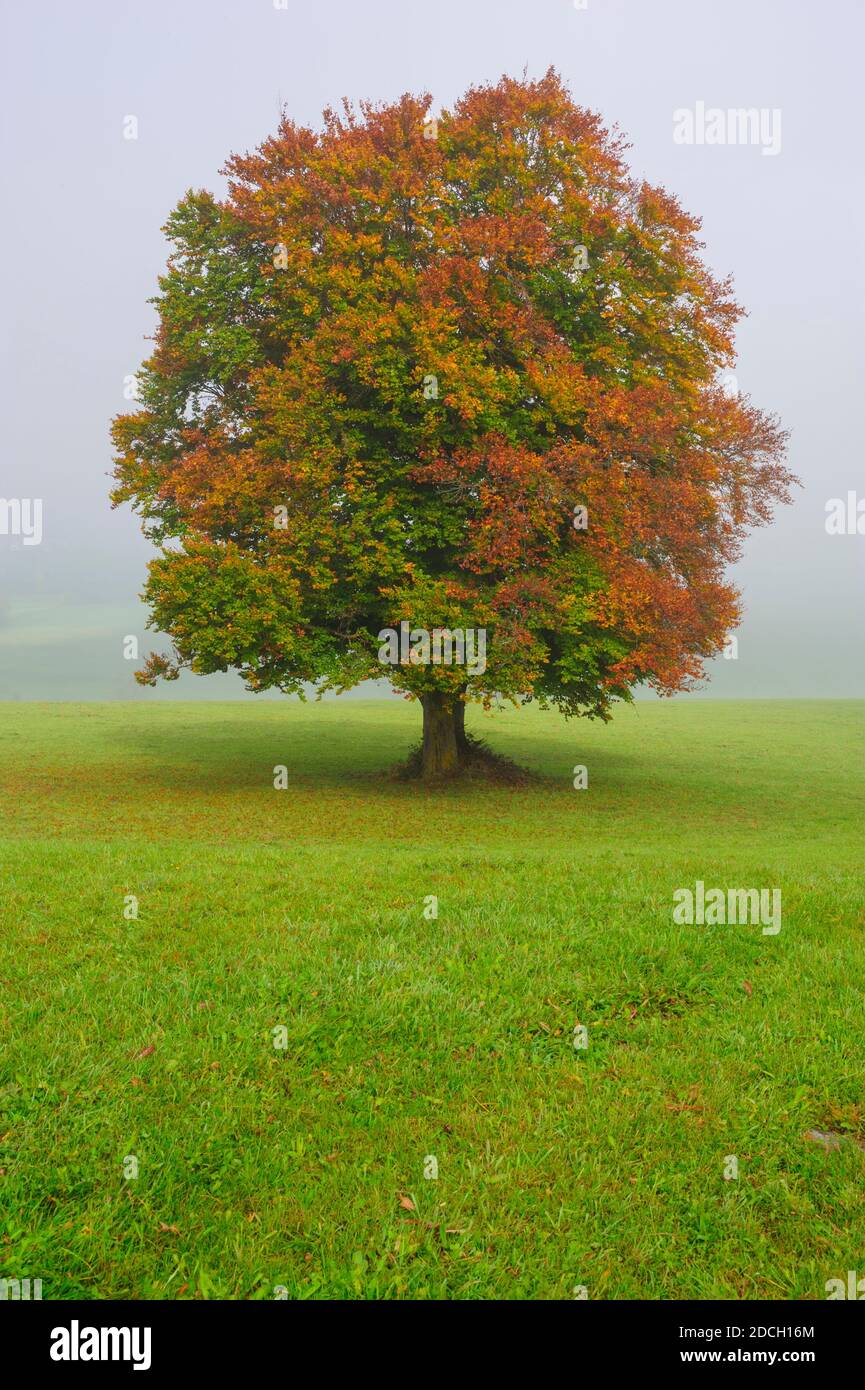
238, 1337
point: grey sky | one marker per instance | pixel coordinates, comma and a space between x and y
82, 247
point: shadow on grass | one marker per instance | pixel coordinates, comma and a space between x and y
364, 754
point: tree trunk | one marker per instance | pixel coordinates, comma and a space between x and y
440, 747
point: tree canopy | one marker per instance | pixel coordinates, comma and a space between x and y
460, 371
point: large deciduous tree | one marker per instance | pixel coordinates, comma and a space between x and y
461, 373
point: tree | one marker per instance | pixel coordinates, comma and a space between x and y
459, 373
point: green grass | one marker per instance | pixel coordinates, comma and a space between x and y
409, 1037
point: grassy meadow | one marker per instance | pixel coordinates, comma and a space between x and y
412, 1043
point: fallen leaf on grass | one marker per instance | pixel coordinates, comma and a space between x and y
831, 1140
748, 987
406, 1203
169, 1230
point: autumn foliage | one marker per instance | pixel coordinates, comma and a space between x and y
391, 364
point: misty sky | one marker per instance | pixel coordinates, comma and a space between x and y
82, 248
